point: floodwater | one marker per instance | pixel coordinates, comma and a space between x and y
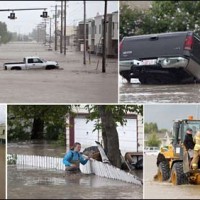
31, 183
165, 190
135, 92
2, 171
75, 82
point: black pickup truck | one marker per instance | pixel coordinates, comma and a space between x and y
164, 58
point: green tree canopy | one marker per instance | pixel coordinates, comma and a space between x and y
150, 128
5, 36
153, 140
163, 16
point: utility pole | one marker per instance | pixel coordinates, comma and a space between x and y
104, 39
55, 28
61, 33
65, 13
45, 34
50, 33
84, 26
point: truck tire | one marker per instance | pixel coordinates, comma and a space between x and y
177, 175
126, 75
16, 68
50, 67
163, 171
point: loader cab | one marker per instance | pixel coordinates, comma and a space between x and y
179, 131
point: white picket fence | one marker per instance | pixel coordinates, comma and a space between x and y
40, 162
91, 167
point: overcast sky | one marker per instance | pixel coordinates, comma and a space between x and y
164, 114
2, 113
27, 20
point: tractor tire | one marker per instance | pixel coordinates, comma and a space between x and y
163, 171
177, 175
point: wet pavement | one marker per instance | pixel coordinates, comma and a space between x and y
25, 182
137, 93
165, 190
73, 83
2, 172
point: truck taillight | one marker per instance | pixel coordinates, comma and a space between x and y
188, 42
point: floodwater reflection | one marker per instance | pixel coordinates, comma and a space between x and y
30, 183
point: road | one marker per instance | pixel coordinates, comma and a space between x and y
75, 83
135, 92
164, 190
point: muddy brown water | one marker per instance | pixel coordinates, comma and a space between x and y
165, 190
31, 183
75, 83
136, 92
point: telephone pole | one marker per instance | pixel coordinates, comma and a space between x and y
84, 34
61, 32
104, 39
65, 13
55, 28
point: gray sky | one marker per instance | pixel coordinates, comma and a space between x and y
2, 113
164, 114
27, 20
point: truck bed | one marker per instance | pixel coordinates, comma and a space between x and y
13, 63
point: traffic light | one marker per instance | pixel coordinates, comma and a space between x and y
44, 14
12, 16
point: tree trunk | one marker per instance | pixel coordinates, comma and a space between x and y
110, 136
37, 130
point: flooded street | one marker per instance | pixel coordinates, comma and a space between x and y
135, 92
74, 82
165, 190
42, 184
32, 183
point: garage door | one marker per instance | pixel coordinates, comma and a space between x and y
83, 132
127, 134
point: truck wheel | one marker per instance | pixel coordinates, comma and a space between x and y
126, 75
16, 68
177, 175
50, 67
163, 171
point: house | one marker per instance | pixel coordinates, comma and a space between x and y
130, 135
111, 34
80, 35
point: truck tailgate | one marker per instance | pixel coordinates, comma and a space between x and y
153, 46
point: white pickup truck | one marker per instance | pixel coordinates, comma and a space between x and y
31, 63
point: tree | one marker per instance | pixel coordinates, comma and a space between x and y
150, 128
110, 115
153, 140
131, 21
5, 36
163, 16
37, 117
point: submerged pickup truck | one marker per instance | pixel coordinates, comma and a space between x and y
164, 58
33, 62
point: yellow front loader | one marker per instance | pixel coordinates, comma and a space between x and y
173, 161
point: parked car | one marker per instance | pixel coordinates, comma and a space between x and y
165, 58
31, 63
